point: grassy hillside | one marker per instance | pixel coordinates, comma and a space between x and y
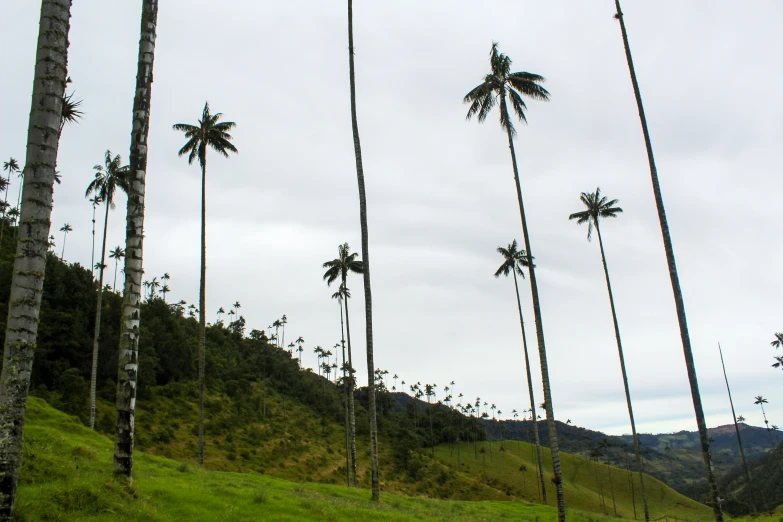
511, 467
66, 476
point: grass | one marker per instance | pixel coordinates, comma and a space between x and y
66, 475
514, 470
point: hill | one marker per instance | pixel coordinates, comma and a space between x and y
66, 476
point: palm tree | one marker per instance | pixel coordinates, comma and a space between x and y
209, 133
11, 166
27, 277
283, 322
220, 312
497, 86
357, 148
65, 229
513, 261
598, 207
299, 342
430, 392
127, 363
339, 267
236, 306
350, 421
761, 401
108, 179
165, 289
116, 254
777, 343
736, 427
675, 280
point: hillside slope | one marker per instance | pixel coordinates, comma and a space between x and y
66, 475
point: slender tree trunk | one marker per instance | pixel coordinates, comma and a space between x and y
611, 485
639, 461
739, 437
550, 413
376, 492
24, 304
97, 330
600, 486
633, 489
5, 209
19, 198
128, 360
539, 453
678, 300
432, 433
202, 316
92, 256
62, 254
351, 401
346, 400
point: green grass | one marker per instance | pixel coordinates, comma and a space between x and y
66, 475
514, 471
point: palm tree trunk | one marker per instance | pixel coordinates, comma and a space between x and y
202, 317
116, 262
92, 256
678, 300
62, 254
128, 360
530, 391
376, 492
639, 461
5, 209
24, 304
97, 330
351, 401
550, 414
346, 387
739, 437
611, 485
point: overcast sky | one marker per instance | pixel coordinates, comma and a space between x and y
440, 190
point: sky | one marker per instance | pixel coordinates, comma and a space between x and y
440, 190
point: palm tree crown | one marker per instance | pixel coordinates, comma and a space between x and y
498, 84
66, 228
208, 133
344, 263
513, 260
108, 179
597, 207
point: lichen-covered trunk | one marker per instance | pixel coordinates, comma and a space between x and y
202, 313
550, 414
536, 438
637, 450
128, 357
675, 281
97, 330
24, 305
351, 401
376, 492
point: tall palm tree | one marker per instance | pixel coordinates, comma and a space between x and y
598, 207
109, 178
501, 86
127, 361
236, 306
64, 229
675, 280
299, 342
339, 267
11, 166
27, 280
513, 261
357, 148
116, 254
736, 428
350, 421
165, 278
209, 133
777, 343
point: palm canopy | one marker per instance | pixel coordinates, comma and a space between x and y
513, 260
760, 400
117, 253
498, 84
108, 178
597, 207
778, 342
66, 228
210, 132
344, 263
10, 166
